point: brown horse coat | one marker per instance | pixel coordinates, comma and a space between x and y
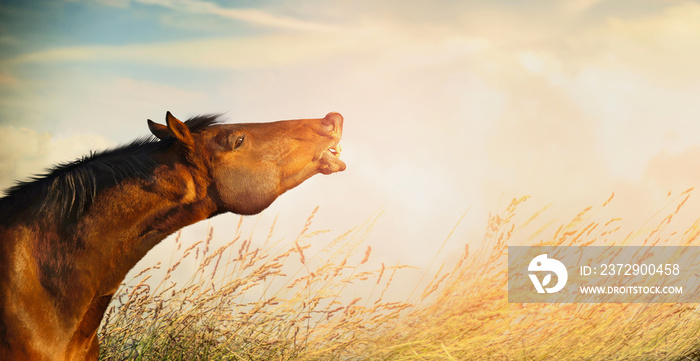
68, 238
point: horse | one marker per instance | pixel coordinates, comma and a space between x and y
69, 237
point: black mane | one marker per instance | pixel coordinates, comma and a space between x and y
70, 188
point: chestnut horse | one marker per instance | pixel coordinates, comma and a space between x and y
69, 237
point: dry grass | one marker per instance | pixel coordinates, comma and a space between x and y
240, 304
276, 302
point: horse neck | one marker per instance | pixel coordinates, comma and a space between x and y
129, 219
70, 270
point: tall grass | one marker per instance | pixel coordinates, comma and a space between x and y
277, 302
241, 303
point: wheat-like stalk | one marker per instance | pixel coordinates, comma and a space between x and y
273, 300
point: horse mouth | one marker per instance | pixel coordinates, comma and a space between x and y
335, 150
330, 160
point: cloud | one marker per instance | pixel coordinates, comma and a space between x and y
661, 46
578, 6
141, 95
104, 116
113, 3
675, 171
22, 151
253, 16
116, 107
222, 53
7, 79
25, 152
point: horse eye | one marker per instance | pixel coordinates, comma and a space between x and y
239, 141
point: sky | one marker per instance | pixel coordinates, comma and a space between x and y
449, 106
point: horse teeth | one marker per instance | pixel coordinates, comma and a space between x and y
335, 151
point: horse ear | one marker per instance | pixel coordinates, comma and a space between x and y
159, 130
179, 130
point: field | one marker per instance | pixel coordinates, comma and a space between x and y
261, 298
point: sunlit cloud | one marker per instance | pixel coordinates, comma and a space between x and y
253, 16
223, 53
577, 6
664, 47
25, 152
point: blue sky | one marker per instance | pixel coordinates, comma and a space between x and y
449, 106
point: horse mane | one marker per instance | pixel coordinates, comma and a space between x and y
70, 188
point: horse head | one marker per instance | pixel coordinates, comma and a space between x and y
251, 164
